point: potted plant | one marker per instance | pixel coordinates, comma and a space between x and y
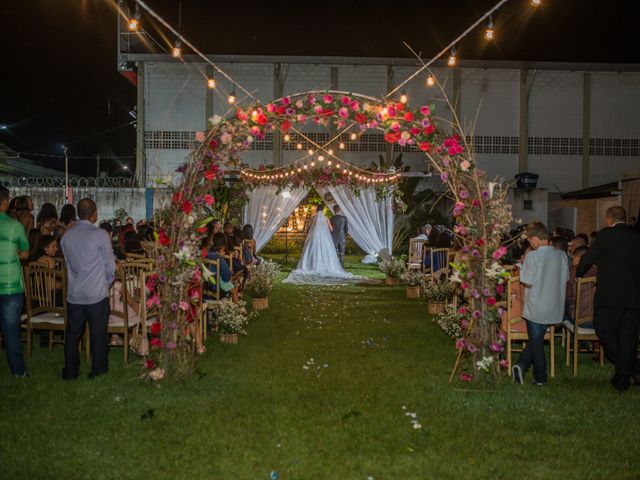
260, 283
451, 322
232, 320
393, 268
437, 294
412, 279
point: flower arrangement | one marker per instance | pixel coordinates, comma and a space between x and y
261, 278
436, 291
232, 317
412, 278
450, 321
393, 267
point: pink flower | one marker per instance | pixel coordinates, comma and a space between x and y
466, 377
464, 285
355, 106
486, 292
499, 253
446, 161
496, 347
154, 300
327, 98
475, 202
460, 343
462, 310
471, 348
464, 323
271, 108
504, 364
424, 110
343, 112
200, 137
301, 118
425, 122
318, 109
254, 131
465, 165
299, 103
469, 275
474, 293
286, 101
477, 314
345, 100
391, 111
502, 336
208, 199
415, 131
491, 301
184, 306
459, 205
464, 194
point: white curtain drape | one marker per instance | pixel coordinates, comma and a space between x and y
370, 220
266, 211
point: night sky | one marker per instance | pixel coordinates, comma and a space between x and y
60, 84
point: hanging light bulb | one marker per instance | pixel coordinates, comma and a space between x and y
453, 59
177, 49
403, 97
299, 146
211, 83
431, 81
321, 158
329, 162
134, 22
287, 137
341, 145
353, 136
310, 151
232, 97
330, 152
490, 31
536, 3
313, 164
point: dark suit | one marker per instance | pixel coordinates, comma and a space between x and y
339, 234
616, 252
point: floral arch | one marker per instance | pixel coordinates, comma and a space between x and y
481, 215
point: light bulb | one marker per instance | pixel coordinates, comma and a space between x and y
431, 81
536, 3
330, 152
329, 162
287, 137
177, 49
134, 23
341, 145
299, 169
211, 83
305, 167
313, 164
490, 32
403, 97
453, 59
299, 146
353, 136
232, 98
310, 151
321, 158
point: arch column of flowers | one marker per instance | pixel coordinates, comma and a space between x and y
480, 212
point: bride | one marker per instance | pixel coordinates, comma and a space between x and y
319, 263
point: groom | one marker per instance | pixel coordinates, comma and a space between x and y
339, 233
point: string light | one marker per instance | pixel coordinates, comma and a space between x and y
313, 164
211, 83
431, 81
310, 151
320, 159
490, 32
329, 162
341, 145
453, 59
232, 97
177, 49
287, 137
330, 151
299, 146
403, 97
536, 3
353, 136
134, 22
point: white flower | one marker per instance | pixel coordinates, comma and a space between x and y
405, 135
417, 426
215, 120
495, 270
183, 255
455, 277
492, 186
366, 107
249, 139
485, 363
190, 219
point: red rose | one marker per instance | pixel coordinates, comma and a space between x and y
149, 364
156, 342
213, 144
202, 229
360, 118
155, 328
429, 130
425, 146
187, 207
240, 115
210, 175
408, 116
391, 137
491, 301
176, 197
163, 238
262, 119
400, 106
286, 125
281, 110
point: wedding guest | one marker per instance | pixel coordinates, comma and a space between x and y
22, 204
584, 237
47, 211
240, 270
123, 232
129, 221
132, 244
575, 243
90, 271
560, 243
13, 248
571, 286
592, 237
421, 233
116, 304
33, 237
544, 274
616, 318
249, 245
228, 234
217, 253
26, 219
45, 250
68, 215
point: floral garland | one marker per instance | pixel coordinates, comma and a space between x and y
480, 210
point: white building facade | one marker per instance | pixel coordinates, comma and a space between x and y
532, 117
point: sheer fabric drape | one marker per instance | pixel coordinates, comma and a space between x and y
370, 220
266, 211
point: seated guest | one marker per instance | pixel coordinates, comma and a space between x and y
47, 210
123, 231
106, 226
26, 219
249, 246
129, 221
132, 244
45, 251
228, 234
584, 237
575, 243
560, 243
241, 272
422, 234
592, 237
115, 304
585, 305
68, 215
22, 204
33, 237
217, 253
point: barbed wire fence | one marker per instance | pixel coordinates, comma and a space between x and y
58, 182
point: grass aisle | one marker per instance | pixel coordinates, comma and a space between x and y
319, 389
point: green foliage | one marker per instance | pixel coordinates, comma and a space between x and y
120, 214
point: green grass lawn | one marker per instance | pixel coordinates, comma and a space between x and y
371, 357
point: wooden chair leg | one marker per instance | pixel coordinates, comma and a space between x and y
601, 356
509, 355
552, 350
575, 352
125, 345
51, 340
567, 349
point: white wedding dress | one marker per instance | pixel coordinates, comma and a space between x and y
319, 263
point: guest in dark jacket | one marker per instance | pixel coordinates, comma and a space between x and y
616, 252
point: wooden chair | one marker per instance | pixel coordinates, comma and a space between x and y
438, 268
151, 249
251, 244
583, 313
121, 322
238, 252
46, 310
132, 276
229, 258
211, 294
135, 256
416, 257
516, 328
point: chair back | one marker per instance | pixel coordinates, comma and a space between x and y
40, 290
585, 292
416, 247
133, 280
515, 299
151, 249
237, 251
59, 263
439, 263
135, 256
118, 306
251, 245
211, 288
229, 258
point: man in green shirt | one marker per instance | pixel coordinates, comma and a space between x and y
13, 247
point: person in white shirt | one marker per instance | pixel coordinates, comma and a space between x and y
544, 274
